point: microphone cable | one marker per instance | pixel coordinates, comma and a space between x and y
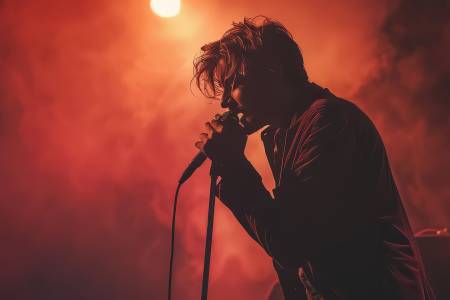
172, 243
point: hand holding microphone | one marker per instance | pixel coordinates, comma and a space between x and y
223, 142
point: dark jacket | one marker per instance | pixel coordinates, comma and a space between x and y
336, 214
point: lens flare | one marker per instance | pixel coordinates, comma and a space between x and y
166, 8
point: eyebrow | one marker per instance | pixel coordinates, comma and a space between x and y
220, 73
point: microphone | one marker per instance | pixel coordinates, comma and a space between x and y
200, 158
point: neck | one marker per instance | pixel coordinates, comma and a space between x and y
291, 101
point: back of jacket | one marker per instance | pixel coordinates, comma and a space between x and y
336, 216
372, 254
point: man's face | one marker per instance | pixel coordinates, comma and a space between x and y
254, 95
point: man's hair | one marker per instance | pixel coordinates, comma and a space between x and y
248, 43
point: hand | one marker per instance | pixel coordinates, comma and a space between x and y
223, 142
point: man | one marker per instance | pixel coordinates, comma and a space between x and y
336, 228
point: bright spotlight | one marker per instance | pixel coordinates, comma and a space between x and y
166, 8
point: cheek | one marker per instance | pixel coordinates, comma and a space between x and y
254, 99
236, 94
245, 96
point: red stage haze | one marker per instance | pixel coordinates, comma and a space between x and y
97, 122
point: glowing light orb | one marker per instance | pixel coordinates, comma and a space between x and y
166, 8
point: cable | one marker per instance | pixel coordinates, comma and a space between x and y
172, 243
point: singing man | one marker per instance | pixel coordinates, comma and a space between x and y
335, 227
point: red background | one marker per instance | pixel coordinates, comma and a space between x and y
97, 122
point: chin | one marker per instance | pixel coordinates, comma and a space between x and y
251, 126
251, 130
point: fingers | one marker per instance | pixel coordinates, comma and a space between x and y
204, 137
209, 129
217, 125
213, 127
199, 145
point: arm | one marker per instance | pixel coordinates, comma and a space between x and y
311, 208
237, 188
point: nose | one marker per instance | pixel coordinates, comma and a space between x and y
229, 102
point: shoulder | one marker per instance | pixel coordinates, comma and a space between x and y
330, 109
324, 110
333, 107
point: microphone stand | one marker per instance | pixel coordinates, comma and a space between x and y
209, 231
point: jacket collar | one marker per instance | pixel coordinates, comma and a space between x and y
315, 92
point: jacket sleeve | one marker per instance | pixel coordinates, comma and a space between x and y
310, 212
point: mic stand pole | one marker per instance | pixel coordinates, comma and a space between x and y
209, 231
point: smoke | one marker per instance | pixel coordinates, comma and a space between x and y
409, 98
97, 122
79, 189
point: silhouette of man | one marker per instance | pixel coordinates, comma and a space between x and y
336, 227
